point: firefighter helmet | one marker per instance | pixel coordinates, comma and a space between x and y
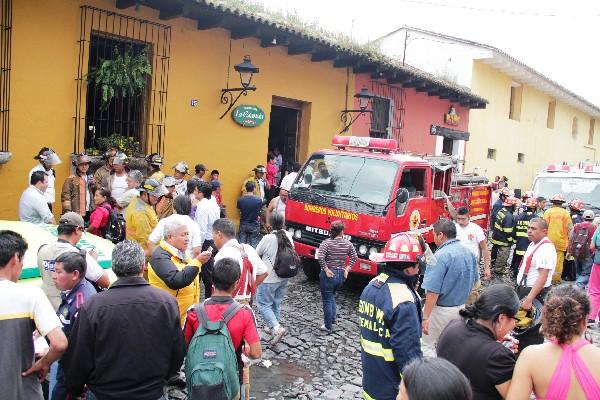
400, 248
120, 158
182, 167
510, 201
529, 194
48, 156
155, 159
528, 320
557, 198
531, 202
589, 215
506, 192
576, 204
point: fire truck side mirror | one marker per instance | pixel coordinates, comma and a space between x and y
402, 195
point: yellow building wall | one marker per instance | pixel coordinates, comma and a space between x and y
492, 128
43, 96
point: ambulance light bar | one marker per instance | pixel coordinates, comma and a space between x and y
558, 168
369, 143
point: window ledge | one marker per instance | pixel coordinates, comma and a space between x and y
5, 157
589, 146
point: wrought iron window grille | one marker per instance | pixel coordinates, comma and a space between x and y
5, 58
140, 118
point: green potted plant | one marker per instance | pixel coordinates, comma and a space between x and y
124, 75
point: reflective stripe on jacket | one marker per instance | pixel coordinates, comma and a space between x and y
521, 226
503, 229
390, 334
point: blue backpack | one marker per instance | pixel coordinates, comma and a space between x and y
211, 366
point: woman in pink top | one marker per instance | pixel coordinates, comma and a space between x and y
272, 170
104, 203
567, 367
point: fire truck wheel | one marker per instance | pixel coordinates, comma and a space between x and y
311, 269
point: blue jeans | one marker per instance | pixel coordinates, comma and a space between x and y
583, 269
328, 288
249, 234
52, 378
268, 298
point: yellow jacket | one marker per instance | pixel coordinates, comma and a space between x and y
559, 225
140, 221
176, 273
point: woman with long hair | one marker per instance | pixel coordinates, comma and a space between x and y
104, 203
567, 355
474, 345
332, 254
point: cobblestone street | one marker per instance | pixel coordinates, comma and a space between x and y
308, 364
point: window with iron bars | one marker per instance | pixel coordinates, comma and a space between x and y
135, 122
5, 56
380, 118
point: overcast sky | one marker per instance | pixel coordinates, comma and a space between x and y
560, 39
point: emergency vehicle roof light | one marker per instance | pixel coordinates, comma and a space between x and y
591, 168
558, 168
368, 143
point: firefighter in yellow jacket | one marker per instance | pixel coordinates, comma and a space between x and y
560, 226
172, 269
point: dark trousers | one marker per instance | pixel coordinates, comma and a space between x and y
60, 387
515, 264
569, 272
207, 269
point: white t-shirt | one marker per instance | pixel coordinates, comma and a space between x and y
33, 206
50, 193
181, 187
193, 230
544, 257
231, 250
118, 186
207, 212
288, 180
470, 236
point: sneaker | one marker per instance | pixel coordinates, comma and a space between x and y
278, 334
324, 329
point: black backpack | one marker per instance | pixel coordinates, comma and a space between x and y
581, 242
287, 262
115, 227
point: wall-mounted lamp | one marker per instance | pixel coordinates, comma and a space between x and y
364, 98
246, 70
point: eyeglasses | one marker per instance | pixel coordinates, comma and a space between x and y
517, 319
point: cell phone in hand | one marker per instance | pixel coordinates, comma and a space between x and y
210, 249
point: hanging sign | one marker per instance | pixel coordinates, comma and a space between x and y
248, 116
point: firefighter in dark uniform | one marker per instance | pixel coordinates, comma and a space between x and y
521, 239
390, 318
503, 236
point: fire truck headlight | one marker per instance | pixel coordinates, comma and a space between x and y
362, 249
298, 234
291, 231
373, 250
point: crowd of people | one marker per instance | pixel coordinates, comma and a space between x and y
175, 246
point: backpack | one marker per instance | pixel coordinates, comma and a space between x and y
115, 227
581, 242
211, 366
287, 262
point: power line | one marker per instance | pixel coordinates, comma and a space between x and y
427, 3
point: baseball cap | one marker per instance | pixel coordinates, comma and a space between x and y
169, 181
589, 215
71, 218
181, 166
153, 187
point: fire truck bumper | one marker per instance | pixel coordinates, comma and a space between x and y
361, 266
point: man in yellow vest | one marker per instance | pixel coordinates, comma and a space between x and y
560, 225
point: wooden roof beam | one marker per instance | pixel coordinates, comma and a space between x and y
344, 60
323, 54
366, 67
295, 48
123, 4
242, 32
210, 21
173, 11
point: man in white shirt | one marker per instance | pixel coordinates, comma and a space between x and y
535, 274
288, 180
182, 206
48, 159
23, 310
207, 212
229, 247
33, 206
472, 236
117, 181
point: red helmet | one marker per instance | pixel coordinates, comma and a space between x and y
402, 247
531, 202
576, 204
510, 201
506, 192
528, 194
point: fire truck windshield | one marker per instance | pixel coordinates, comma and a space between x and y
585, 189
364, 180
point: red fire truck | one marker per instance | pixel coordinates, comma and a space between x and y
377, 192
